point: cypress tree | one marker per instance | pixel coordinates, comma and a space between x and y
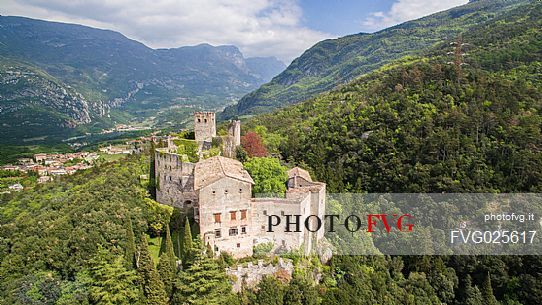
111, 282
487, 292
169, 248
270, 292
299, 291
152, 172
203, 282
176, 226
209, 251
472, 295
153, 288
167, 265
129, 252
187, 247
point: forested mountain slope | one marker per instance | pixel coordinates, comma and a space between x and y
337, 61
113, 77
430, 123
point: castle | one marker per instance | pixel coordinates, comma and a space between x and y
218, 191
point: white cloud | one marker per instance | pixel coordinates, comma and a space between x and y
403, 10
257, 27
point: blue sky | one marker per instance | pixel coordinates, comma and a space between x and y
280, 28
341, 17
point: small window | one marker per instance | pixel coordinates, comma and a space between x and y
199, 120
205, 120
216, 248
238, 245
214, 192
234, 231
218, 233
240, 190
283, 243
243, 214
187, 202
217, 217
265, 212
263, 228
233, 215
243, 230
281, 213
225, 191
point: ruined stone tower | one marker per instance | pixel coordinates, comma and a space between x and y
204, 126
234, 131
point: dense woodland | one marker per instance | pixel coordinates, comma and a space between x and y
85, 240
420, 124
429, 123
432, 123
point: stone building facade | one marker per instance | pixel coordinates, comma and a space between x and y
218, 190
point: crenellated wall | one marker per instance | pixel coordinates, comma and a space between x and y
251, 274
175, 180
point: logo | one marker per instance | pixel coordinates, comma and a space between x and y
330, 222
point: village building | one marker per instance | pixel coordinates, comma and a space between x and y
41, 170
16, 187
116, 150
25, 161
57, 172
40, 157
11, 168
218, 191
43, 179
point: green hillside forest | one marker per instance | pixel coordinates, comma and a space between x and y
98, 238
334, 62
430, 123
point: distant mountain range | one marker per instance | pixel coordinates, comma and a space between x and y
55, 76
334, 62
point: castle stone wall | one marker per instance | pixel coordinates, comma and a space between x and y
224, 197
283, 241
175, 180
251, 274
222, 187
235, 132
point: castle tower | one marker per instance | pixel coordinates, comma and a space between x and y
234, 131
204, 126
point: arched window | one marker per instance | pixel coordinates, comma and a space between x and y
188, 202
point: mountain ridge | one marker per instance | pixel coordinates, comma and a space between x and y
332, 62
113, 72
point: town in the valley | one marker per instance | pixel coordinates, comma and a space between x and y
47, 166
